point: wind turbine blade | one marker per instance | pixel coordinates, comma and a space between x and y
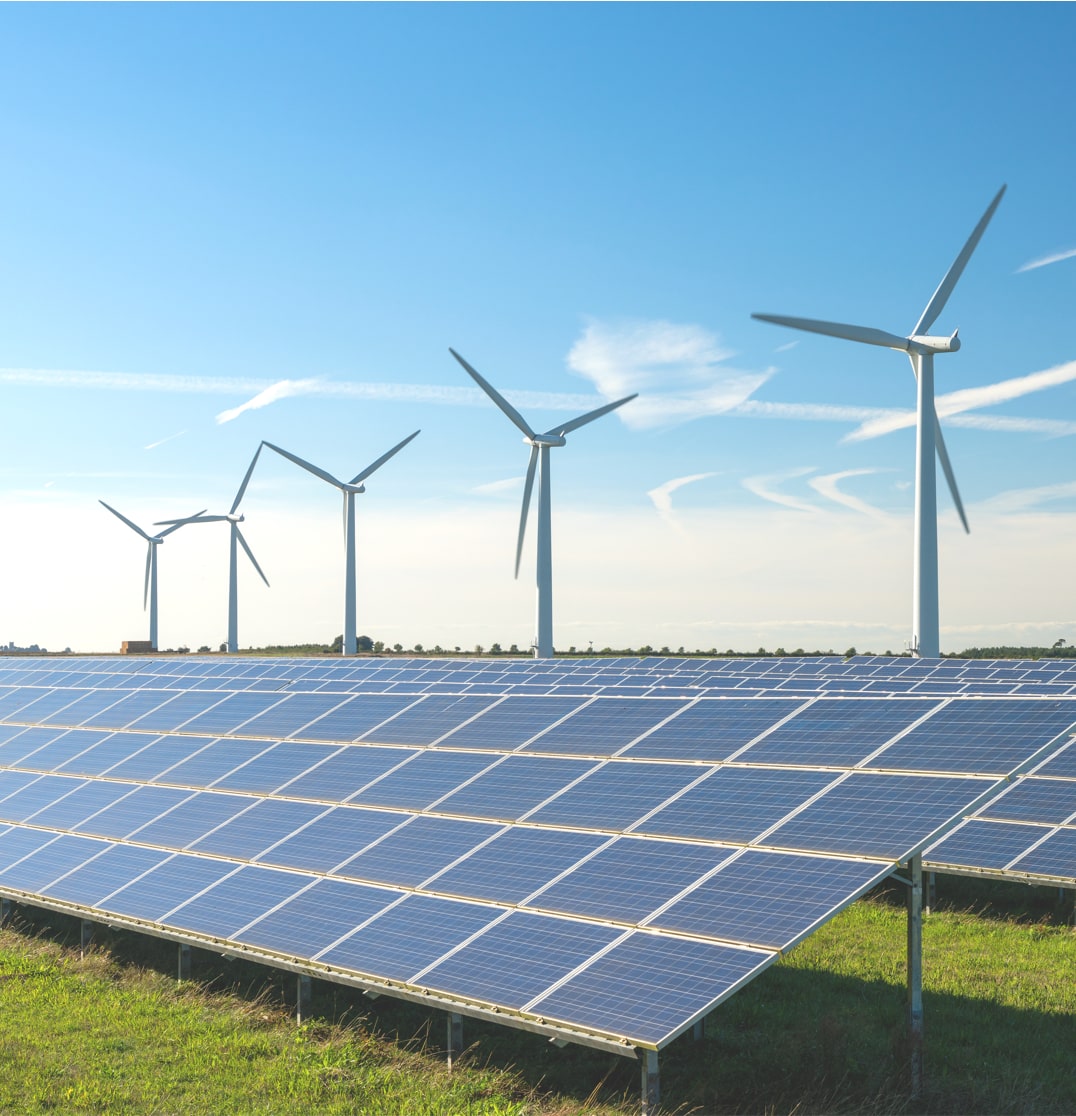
133, 526
496, 396
590, 416
149, 562
250, 553
198, 517
246, 480
527, 486
945, 288
306, 465
382, 459
838, 329
947, 468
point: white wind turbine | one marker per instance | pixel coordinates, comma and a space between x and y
350, 489
539, 459
149, 594
237, 540
920, 347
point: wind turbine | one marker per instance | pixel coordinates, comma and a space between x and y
149, 594
540, 446
350, 489
234, 519
920, 347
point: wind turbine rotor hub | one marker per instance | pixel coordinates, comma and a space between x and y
546, 440
356, 488
233, 518
924, 343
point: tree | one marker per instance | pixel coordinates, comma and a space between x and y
223, 647
495, 649
513, 650
337, 644
1059, 644
397, 647
418, 648
850, 652
379, 646
478, 648
204, 649
362, 643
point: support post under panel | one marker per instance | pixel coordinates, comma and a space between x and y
184, 962
454, 1038
85, 937
650, 1082
915, 974
303, 995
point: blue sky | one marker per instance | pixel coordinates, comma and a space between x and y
229, 223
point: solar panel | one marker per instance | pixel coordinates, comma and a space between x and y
605, 868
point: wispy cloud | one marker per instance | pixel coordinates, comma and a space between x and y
827, 486
764, 488
1023, 499
1057, 257
161, 441
282, 389
662, 496
495, 488
970, 399
438, 394
678, 369
786, 346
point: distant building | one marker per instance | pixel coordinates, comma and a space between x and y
136, 647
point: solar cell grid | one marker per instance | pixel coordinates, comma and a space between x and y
1050, 801
982, 844
1056, 856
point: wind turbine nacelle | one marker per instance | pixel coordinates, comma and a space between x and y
546, 440
233, 518
927, 344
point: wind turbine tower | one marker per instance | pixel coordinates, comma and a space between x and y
540, 445
236, 540
350, 489
149, 593
921, 348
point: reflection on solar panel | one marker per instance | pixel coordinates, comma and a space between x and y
598, 850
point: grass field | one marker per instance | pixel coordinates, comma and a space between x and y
823, 1031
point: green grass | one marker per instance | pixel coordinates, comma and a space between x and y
823, 1031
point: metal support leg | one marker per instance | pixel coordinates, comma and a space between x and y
6, 907
931, 900
915, 974
698, 1030
85, 938
303, 994
651, 1082
455, 1038
184, 961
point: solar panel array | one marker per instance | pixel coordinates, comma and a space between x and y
601, 850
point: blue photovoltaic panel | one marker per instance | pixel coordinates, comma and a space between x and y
770, 899
237, 900
157, 756
19, 749
1056, 856
255, 830
103, 750
836, 732
409, 937
1051, 801
129, 707
178, 709
986, 845
356, 716
606, 725
64, 747
877, 815
116, 866
979, 735
333, 838
512, 722
737, 803
38, 704
165, 887
429, 719
344, 772
617, 795
274, 766
133, 811
1060, 765
37, 870
17, 843
649, 987
82, 802
229, 715
631, 878
290, 714
314, 919
191, 819
518, 862
423, 780
12, 781
712, 731
513, 788
416, 851
86, 705
519, 958
213, 762
36, 795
